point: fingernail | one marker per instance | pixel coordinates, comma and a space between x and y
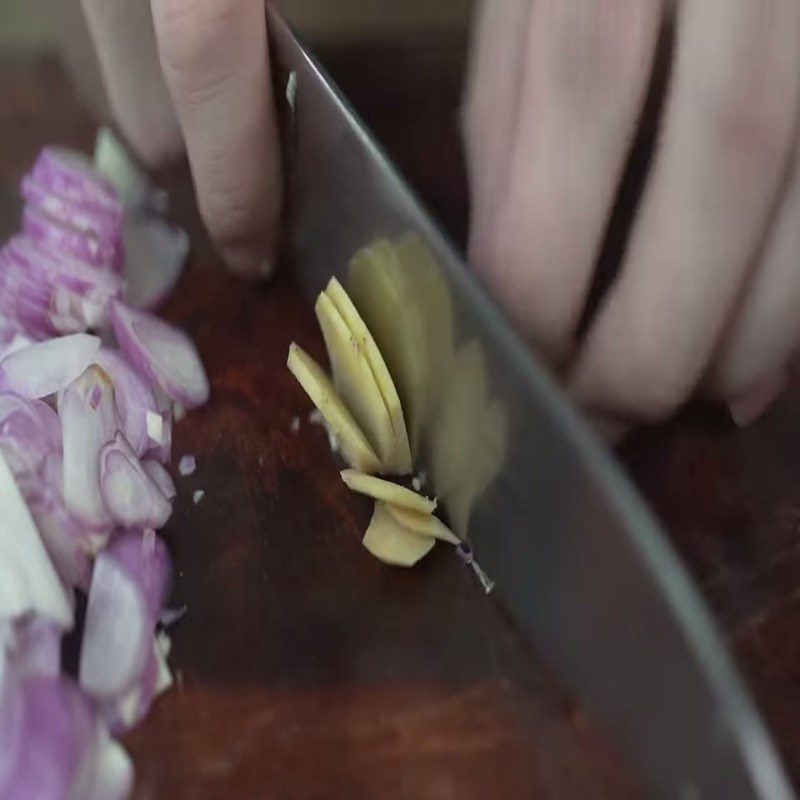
248, 262
750, 405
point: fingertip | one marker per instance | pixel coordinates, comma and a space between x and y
752, 404
216, 63
248, 262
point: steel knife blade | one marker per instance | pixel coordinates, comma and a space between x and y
575, 556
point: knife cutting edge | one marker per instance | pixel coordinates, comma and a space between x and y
577, 559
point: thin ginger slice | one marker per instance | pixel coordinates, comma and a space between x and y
393, 543
386, 490
354, 380
423, 524
354, 446
399, 462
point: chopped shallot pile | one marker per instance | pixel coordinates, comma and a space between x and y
88, 382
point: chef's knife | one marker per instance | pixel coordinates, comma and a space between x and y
576, 558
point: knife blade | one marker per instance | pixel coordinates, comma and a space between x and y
576, 558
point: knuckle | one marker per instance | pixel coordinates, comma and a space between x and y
189, 29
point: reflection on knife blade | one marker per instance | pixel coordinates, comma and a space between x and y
401, 293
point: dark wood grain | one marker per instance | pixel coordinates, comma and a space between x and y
731, 500
303, 667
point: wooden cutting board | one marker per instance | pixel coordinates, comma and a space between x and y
306, 669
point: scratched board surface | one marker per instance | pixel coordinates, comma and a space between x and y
304, 668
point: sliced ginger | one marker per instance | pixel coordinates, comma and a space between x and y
362, 403
354, 380
354, 445
423, 524
399, 461
387, 491
431, 299
486, 456
462, 407
387, 305
391, 542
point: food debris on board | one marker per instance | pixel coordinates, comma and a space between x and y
198, 495
361, 410
85, 439
464, 552
171, 616
178, 412
187, 465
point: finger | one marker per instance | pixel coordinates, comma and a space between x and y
583, 85
725, 143
765, 331
215, 60
491, 107
747, 407
123, 37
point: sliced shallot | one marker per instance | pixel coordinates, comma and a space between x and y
88, 421
102, 219
69, 544
83, 487
28, 582
155, 253
33, 645
71, 175
56, 729
128, 710
115, 164
29, 432
161, 477
128, 587
146, 559
132, 497
159, 427
133, 398
12, 340
164, 354
12, 710
187, 465
57, 237
46, 367
67, 753
107, 774
70, 293
116, 633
